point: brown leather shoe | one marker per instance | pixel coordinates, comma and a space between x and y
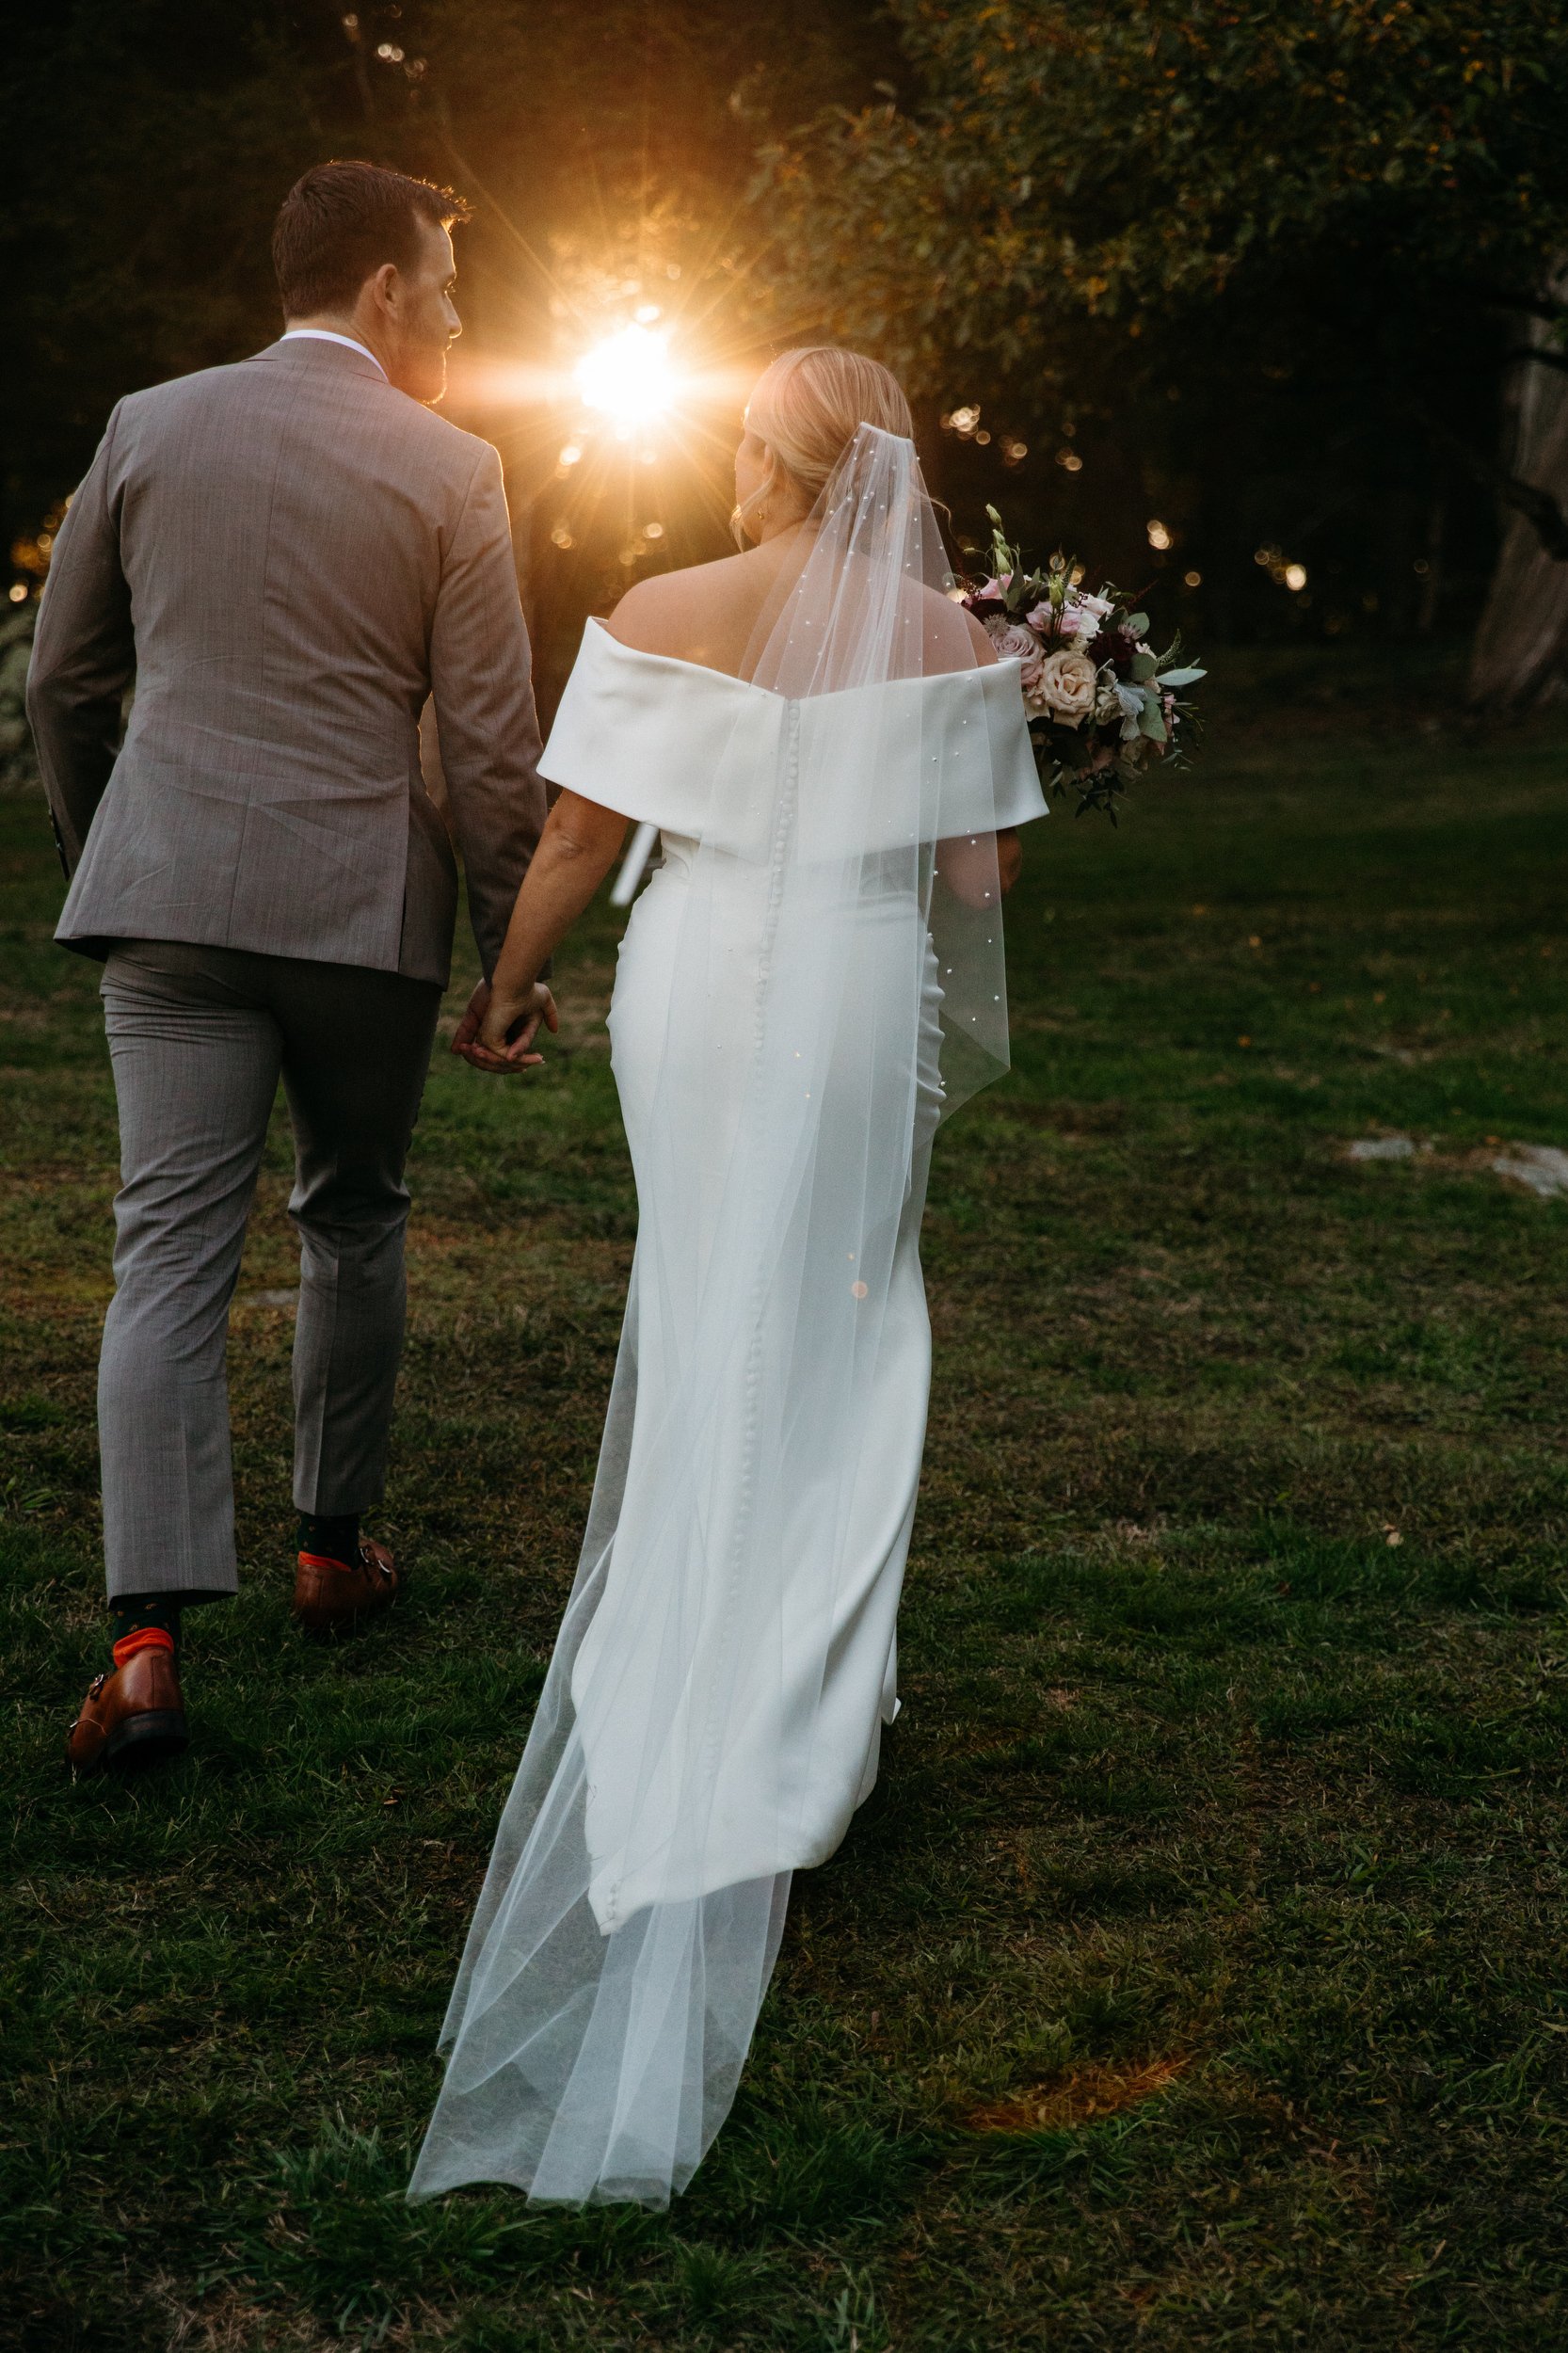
132, 1715
331, 1596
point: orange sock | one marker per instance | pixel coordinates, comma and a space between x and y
329, 1536
145, 1638
140, 1619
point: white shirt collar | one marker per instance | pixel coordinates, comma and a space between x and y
324, 335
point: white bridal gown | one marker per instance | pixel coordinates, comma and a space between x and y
715, 1708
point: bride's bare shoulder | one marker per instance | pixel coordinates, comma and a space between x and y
708, 613
677, 613
955, 640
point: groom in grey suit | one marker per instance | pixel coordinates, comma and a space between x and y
288, 556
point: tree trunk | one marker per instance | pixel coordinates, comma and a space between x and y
1521, 652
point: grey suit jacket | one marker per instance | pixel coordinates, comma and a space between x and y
288, 556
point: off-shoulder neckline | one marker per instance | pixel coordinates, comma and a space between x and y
749, 686
679, 662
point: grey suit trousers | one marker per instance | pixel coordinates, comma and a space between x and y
198, 1038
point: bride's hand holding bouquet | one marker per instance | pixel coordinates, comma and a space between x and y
1102, 702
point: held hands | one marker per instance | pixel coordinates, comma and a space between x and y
500, 1027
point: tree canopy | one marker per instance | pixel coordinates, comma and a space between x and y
1255, 271
148, 144
1121, 161
1261, 240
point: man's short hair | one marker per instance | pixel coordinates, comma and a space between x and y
339, 224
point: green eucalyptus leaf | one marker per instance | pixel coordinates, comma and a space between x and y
1138, 623
1183, 678
1152, 723
1142, 667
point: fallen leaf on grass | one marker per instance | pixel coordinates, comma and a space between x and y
1081, 2096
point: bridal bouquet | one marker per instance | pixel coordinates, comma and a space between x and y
1101, 702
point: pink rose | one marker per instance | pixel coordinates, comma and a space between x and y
1013, 642
1075, 619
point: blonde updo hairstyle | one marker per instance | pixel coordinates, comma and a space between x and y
807, 409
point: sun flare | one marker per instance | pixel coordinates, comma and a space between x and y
628, 376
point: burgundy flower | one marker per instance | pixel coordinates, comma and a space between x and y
1115, 647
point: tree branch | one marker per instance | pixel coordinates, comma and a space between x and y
1530, 306
1538, 507
1538, 352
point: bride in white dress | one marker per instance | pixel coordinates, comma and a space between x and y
810, 980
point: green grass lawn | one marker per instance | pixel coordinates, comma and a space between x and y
1196, 1976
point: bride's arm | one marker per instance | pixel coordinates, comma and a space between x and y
576, 851
978, 868
981, 867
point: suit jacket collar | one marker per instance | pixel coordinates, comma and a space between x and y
311, 352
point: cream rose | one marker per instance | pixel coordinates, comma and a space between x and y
1066, 687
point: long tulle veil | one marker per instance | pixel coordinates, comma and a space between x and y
695, 1743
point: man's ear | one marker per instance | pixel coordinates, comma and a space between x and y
386, 286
